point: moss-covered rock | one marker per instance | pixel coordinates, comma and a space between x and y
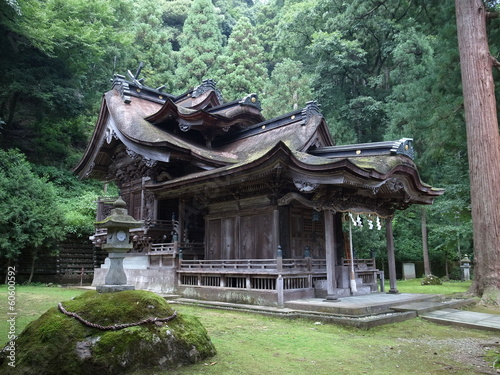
59, 344
431, 280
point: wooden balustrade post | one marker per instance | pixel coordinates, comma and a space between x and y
307, 257
279, 260
179, 259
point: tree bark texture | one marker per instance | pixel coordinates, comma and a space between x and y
425, 247
483, 142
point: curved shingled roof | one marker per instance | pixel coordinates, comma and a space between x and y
232, 140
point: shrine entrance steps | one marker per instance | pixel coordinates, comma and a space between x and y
367, 311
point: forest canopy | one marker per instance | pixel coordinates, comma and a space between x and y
380, 70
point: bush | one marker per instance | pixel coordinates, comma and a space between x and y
431, 280
456, 273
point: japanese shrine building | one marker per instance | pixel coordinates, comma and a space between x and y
238, 208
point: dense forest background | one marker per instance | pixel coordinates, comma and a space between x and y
380, 69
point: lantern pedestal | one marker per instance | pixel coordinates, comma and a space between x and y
113, 288
116, 279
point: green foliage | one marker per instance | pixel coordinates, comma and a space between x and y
72, 30
229, 12
200, 44
76, 198
152, 44
53, 53
367, 241
241, 69
288, 89
30, 216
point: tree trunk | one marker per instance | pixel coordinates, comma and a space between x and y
32, 271
425, 248
7, 271
483, 142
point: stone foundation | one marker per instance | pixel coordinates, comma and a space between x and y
161, 280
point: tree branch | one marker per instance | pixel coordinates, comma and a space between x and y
495, 63
490, 15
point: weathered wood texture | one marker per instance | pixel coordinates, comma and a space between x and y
75, 256
483, 141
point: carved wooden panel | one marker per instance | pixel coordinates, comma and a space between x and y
213, 249
247, 237
284, 230
304, 231
264, 236
256, 236
228, 241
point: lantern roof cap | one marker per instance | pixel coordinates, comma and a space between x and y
119, 217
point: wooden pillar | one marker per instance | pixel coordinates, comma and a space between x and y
181, 220
390, 255
276, 228
331, 256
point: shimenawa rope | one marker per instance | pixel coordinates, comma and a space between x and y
115, 327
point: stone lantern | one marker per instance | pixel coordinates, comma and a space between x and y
117, 244
465, 266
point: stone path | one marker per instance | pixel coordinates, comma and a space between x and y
490, 322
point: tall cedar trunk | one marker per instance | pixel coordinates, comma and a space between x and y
483, 142
425, 248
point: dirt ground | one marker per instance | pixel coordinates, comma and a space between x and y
469, 351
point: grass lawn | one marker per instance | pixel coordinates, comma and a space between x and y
448, 287
31, 302
255, 344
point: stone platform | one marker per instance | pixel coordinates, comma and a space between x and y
355, 306
364, 312
468, 319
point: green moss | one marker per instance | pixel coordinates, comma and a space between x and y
431, 280
123, 307
59, 344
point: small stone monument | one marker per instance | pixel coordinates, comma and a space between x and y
409, 271
117, 244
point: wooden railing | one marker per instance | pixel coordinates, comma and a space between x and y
249, 278
278, 264
168, 248
366, 270
360, 264
224, 264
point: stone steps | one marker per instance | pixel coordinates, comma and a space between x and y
423, 307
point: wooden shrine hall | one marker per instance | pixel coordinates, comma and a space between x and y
238, 208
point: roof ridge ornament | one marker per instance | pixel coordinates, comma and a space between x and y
135, 77
311, 109
404, 146
123, 87
207, 85
252, 100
